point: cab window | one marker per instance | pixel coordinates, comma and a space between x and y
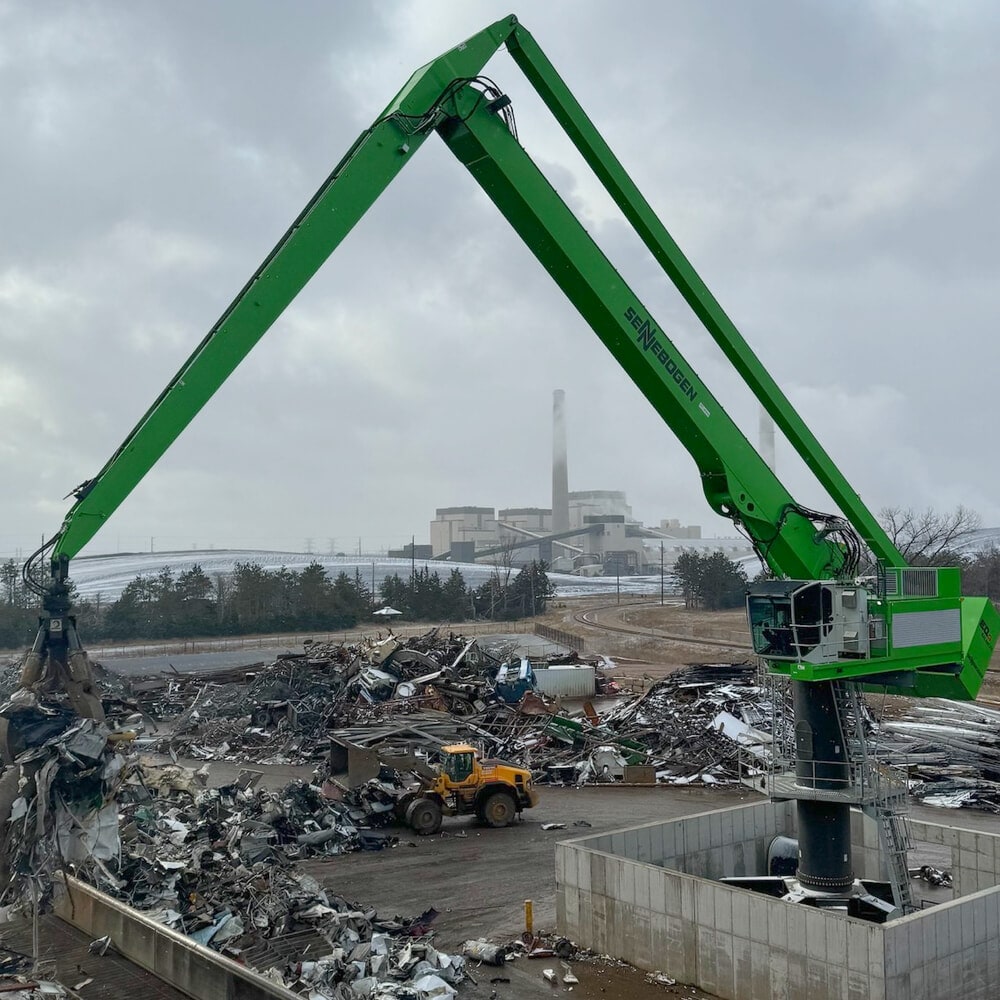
458, 766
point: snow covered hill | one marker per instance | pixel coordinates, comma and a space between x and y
109, 575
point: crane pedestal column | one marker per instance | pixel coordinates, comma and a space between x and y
821, 763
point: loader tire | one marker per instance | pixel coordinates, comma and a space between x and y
498, 809
424, 816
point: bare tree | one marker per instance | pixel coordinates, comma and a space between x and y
503, 562
929, 536
981, 574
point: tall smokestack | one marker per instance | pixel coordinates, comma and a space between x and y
765, 435
560, 475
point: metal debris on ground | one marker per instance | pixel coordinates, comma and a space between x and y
434, 690
699, 725
21, 978
30, 988
951, 752
440, 689
212, 863
483, 951
215, 864
932, 875
660, 979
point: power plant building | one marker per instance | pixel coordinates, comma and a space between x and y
463, 527
591, 532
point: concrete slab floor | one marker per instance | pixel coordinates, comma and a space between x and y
479, 878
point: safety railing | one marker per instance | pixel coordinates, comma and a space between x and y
861, 782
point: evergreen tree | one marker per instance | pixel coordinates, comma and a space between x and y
315, 596
395, 593
18, 618
351, 602
532, 588
710, 581
129, 617
196, 611
454, 598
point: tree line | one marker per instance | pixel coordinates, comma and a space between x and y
924, 538
252, 600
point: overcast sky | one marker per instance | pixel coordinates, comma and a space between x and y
830, 168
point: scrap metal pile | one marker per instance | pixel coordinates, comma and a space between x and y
213, 863
951, 752
705, 724
283, 712
441, 689
58, 800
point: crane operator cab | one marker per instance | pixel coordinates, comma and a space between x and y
808, 621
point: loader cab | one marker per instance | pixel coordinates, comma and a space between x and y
459, 763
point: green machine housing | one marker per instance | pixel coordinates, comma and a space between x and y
908, 628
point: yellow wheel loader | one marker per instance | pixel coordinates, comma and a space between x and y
464, 785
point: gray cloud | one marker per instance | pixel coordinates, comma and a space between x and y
828, 167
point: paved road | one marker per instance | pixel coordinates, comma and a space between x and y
217, 660
141, 666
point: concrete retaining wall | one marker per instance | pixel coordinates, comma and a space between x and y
174, 958
975, 857
648, 895
947, 951
710, 845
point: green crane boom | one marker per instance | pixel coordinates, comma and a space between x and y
905, 629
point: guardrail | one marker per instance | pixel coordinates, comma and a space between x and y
856, 781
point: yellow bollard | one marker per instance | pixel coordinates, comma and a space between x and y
529, 917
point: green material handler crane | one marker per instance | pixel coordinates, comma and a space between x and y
898, 628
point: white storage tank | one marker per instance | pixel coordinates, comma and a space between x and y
566, 682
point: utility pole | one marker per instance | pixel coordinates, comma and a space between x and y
373, 584
618, 579
661, 572
413, 558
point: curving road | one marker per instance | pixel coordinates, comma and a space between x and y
591, 618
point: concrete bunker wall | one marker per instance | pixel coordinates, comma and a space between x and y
648, 895
174, 958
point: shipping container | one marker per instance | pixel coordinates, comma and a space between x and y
566, 682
